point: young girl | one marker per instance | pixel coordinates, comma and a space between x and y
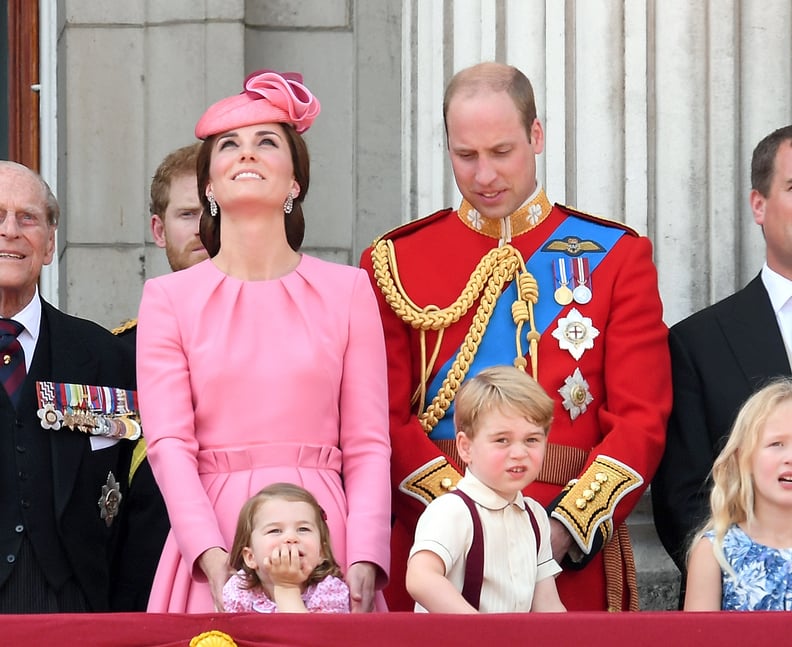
742, 559
282, 555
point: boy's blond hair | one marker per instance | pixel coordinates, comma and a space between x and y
503, 389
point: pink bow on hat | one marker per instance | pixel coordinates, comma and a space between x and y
286, 91
268, 97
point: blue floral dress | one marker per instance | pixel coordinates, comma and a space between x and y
764, 574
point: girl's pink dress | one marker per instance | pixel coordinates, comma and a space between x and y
247, 383
331, 595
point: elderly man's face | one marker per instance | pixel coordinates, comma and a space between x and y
27, 240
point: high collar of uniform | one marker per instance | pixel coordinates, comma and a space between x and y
532, 212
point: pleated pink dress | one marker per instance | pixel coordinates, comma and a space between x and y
247, 383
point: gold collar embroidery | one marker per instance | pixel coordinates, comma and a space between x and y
528, 216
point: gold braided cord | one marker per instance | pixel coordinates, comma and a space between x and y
432, 317
499, 266
420, 391
467, 351
522, 312
528, 293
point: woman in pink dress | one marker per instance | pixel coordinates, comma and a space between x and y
262, 364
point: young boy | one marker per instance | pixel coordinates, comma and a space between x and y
502, 418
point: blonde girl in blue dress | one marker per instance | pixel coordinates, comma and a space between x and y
742, 558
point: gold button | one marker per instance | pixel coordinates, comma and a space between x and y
581, 504
446, 483
601, 477
6, 359
595, 486
588, 495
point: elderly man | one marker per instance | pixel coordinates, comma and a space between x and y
175, 212
63, 379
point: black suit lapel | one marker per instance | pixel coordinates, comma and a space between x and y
751, 329
69, 355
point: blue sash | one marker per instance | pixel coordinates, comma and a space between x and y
497, 344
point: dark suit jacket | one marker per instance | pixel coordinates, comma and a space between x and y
719, 357
143, 529
81, 352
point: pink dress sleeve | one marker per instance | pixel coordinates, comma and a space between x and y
331, 595
169, 425
364, 438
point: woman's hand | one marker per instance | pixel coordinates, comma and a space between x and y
360, 578
214, 564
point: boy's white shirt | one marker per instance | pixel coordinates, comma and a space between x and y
511, 566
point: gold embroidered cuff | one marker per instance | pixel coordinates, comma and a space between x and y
588, 503
430, 480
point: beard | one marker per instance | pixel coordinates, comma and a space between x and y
181, 259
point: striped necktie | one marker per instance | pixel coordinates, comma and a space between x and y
12, 358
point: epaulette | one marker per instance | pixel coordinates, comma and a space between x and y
414, 225
599, 219
127, 325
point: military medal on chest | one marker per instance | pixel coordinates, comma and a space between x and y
563, 293
95, 410
110, 500
575, 394
571, 272
575, 333
581, 293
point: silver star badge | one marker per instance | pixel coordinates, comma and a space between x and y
576, 394
110, 500
575, 333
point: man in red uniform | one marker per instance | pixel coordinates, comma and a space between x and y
509, 278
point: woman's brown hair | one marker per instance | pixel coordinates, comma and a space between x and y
294, 222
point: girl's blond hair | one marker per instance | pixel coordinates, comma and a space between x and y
732, 495
247, 521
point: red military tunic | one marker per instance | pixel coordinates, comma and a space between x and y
605, 362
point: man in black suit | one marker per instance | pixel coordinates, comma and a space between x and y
60, 487
175, 212
724, 353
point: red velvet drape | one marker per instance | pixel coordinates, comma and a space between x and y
648, 629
